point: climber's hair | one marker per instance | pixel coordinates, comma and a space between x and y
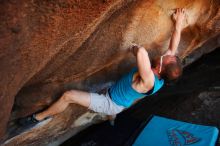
172, 71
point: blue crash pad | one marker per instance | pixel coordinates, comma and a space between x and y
167, 132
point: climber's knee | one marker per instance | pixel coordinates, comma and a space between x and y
69, 96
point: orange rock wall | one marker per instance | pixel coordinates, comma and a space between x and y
48, 47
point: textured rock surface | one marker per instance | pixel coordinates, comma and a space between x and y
47, 47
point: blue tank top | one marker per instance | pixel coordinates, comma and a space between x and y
122, 92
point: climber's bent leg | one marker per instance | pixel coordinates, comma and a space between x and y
98, 103
72, 96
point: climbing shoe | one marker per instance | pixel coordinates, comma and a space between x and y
30, 122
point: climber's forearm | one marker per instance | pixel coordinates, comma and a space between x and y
174, 42
178, 17
143, 63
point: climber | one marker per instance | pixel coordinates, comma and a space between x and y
144, 80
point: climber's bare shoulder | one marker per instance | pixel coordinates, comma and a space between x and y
142, 86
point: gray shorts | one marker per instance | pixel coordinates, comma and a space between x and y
102, 103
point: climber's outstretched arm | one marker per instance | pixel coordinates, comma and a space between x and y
178, 18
